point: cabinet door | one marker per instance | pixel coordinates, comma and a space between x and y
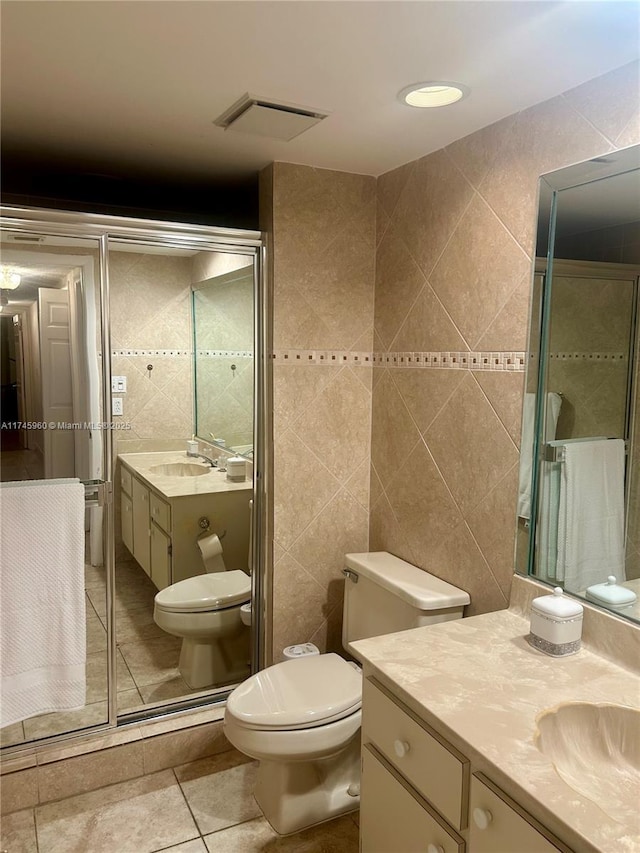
126, 520
496, 827
141, 530
434, 769
160, 557
160, 512
394, 819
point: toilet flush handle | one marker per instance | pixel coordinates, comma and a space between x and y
350, 575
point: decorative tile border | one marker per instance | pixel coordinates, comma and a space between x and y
511, 361
589, 356
155, 353
218, 353
322, 357
172, 353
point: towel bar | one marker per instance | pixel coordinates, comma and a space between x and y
97, 493
555, 452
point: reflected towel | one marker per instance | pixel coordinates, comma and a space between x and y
554, 402
42, 602
547, 542
591, 513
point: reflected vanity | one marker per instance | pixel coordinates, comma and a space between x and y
578, 524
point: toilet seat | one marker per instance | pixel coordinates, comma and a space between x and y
205, 593
298, 694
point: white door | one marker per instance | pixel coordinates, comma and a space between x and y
57, 385
20, 376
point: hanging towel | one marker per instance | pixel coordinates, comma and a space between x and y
591, 513
554, 402
547, 541
42, 602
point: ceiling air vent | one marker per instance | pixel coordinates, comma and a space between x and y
268, 118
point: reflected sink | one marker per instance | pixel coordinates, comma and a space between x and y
180, 469
596, 750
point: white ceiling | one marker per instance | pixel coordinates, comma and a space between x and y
136, 85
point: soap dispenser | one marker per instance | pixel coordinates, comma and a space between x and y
556, 624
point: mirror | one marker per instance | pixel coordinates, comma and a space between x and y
578, 520
182, 343
223, 335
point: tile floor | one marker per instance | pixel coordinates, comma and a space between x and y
16, 463
203, 807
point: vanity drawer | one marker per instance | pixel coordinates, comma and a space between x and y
498, 825
125, 481
160, 512
433, 767
393, 818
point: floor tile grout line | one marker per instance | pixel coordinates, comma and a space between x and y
184, 797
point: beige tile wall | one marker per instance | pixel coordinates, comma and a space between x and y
150, 309
455, 234
323, 233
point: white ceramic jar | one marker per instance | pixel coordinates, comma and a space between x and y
556, 624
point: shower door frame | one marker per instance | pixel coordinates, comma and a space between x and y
141, 232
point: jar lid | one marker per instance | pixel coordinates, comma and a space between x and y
611, 593
557, 606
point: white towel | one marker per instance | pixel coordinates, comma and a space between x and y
554, 402
547, 541
591, 513
42, 602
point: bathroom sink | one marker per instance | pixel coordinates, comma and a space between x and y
596, 750
180, 469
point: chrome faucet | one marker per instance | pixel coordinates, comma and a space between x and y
212, 462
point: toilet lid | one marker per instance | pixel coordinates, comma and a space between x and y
206, 592
298, 693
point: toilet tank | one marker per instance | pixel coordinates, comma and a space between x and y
384, 594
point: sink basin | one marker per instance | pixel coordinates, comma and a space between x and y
180, 469
596, 750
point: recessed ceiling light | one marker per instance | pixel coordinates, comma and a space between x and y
437, 93
9, 279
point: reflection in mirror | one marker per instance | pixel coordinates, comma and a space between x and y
223, 358
183, 528
50, 362
578, 524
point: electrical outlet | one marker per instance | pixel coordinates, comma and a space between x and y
119, 384
116, 406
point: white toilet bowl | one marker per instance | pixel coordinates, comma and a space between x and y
301, 719
205, 612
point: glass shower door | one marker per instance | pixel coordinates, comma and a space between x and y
54, 436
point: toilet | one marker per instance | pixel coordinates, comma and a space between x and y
205, 611
301, 718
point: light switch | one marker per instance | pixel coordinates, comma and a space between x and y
116, 405
119, 384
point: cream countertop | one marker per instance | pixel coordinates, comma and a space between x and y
481, 685
176, 487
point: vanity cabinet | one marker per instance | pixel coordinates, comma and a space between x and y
498, 824
420, 794
141, 530
162, 533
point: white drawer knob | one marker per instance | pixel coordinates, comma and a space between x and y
482, 818
435, 848
401, 748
